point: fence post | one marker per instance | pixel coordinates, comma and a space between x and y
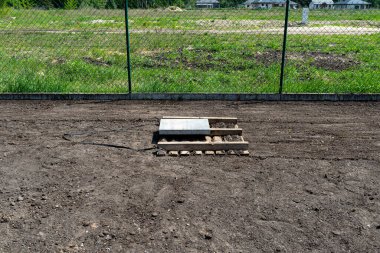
128, 47
284, 46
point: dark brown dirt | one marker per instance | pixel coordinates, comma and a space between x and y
205, 60
321, 60
310, 184
97, 61
222, 125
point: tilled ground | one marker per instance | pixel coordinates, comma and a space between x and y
311, 182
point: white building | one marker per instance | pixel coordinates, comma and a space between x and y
352, 4
268, 4
207, 4
321, 4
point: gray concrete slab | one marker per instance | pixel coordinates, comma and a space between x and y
184, 127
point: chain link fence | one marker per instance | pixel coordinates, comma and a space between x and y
335, 50
204, 46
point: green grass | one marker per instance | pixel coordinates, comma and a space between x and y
95, 62
158, 18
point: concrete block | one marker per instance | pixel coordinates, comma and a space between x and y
184, 127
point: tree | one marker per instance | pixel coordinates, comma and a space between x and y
374, 3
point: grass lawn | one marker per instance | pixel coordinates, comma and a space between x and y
187, 20
94, 62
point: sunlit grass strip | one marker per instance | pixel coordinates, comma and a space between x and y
183, 63
91, 19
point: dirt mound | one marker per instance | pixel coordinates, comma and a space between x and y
206, 59
97, 61
333, 61
322, 60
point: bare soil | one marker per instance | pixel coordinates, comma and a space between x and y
97, 62
327, 61
205, 60
311, 182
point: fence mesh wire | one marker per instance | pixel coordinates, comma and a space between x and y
335, 51
205, 50
58, 50
195, 46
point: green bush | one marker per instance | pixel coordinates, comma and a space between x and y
71, 4
111, 4
4, 9
120, 3
46, 4
21, 4
98, 4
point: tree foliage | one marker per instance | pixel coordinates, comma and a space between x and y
375, 3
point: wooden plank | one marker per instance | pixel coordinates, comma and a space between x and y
220, 152
209, 152
245, 153
210, 119
198, 152
201, 145
226, 131
208, 138
184, 153
173, 153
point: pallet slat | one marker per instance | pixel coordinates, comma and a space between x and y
173, 153
203, 146
199, 153
226, 131
211, 120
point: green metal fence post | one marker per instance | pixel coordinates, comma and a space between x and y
284, 46
128, 47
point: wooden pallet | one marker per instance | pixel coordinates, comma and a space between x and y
200, 153
216, 143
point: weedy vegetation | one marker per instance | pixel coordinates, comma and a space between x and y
83, 50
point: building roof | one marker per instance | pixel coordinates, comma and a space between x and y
349, 2
267, 2
322, 2
207, 1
